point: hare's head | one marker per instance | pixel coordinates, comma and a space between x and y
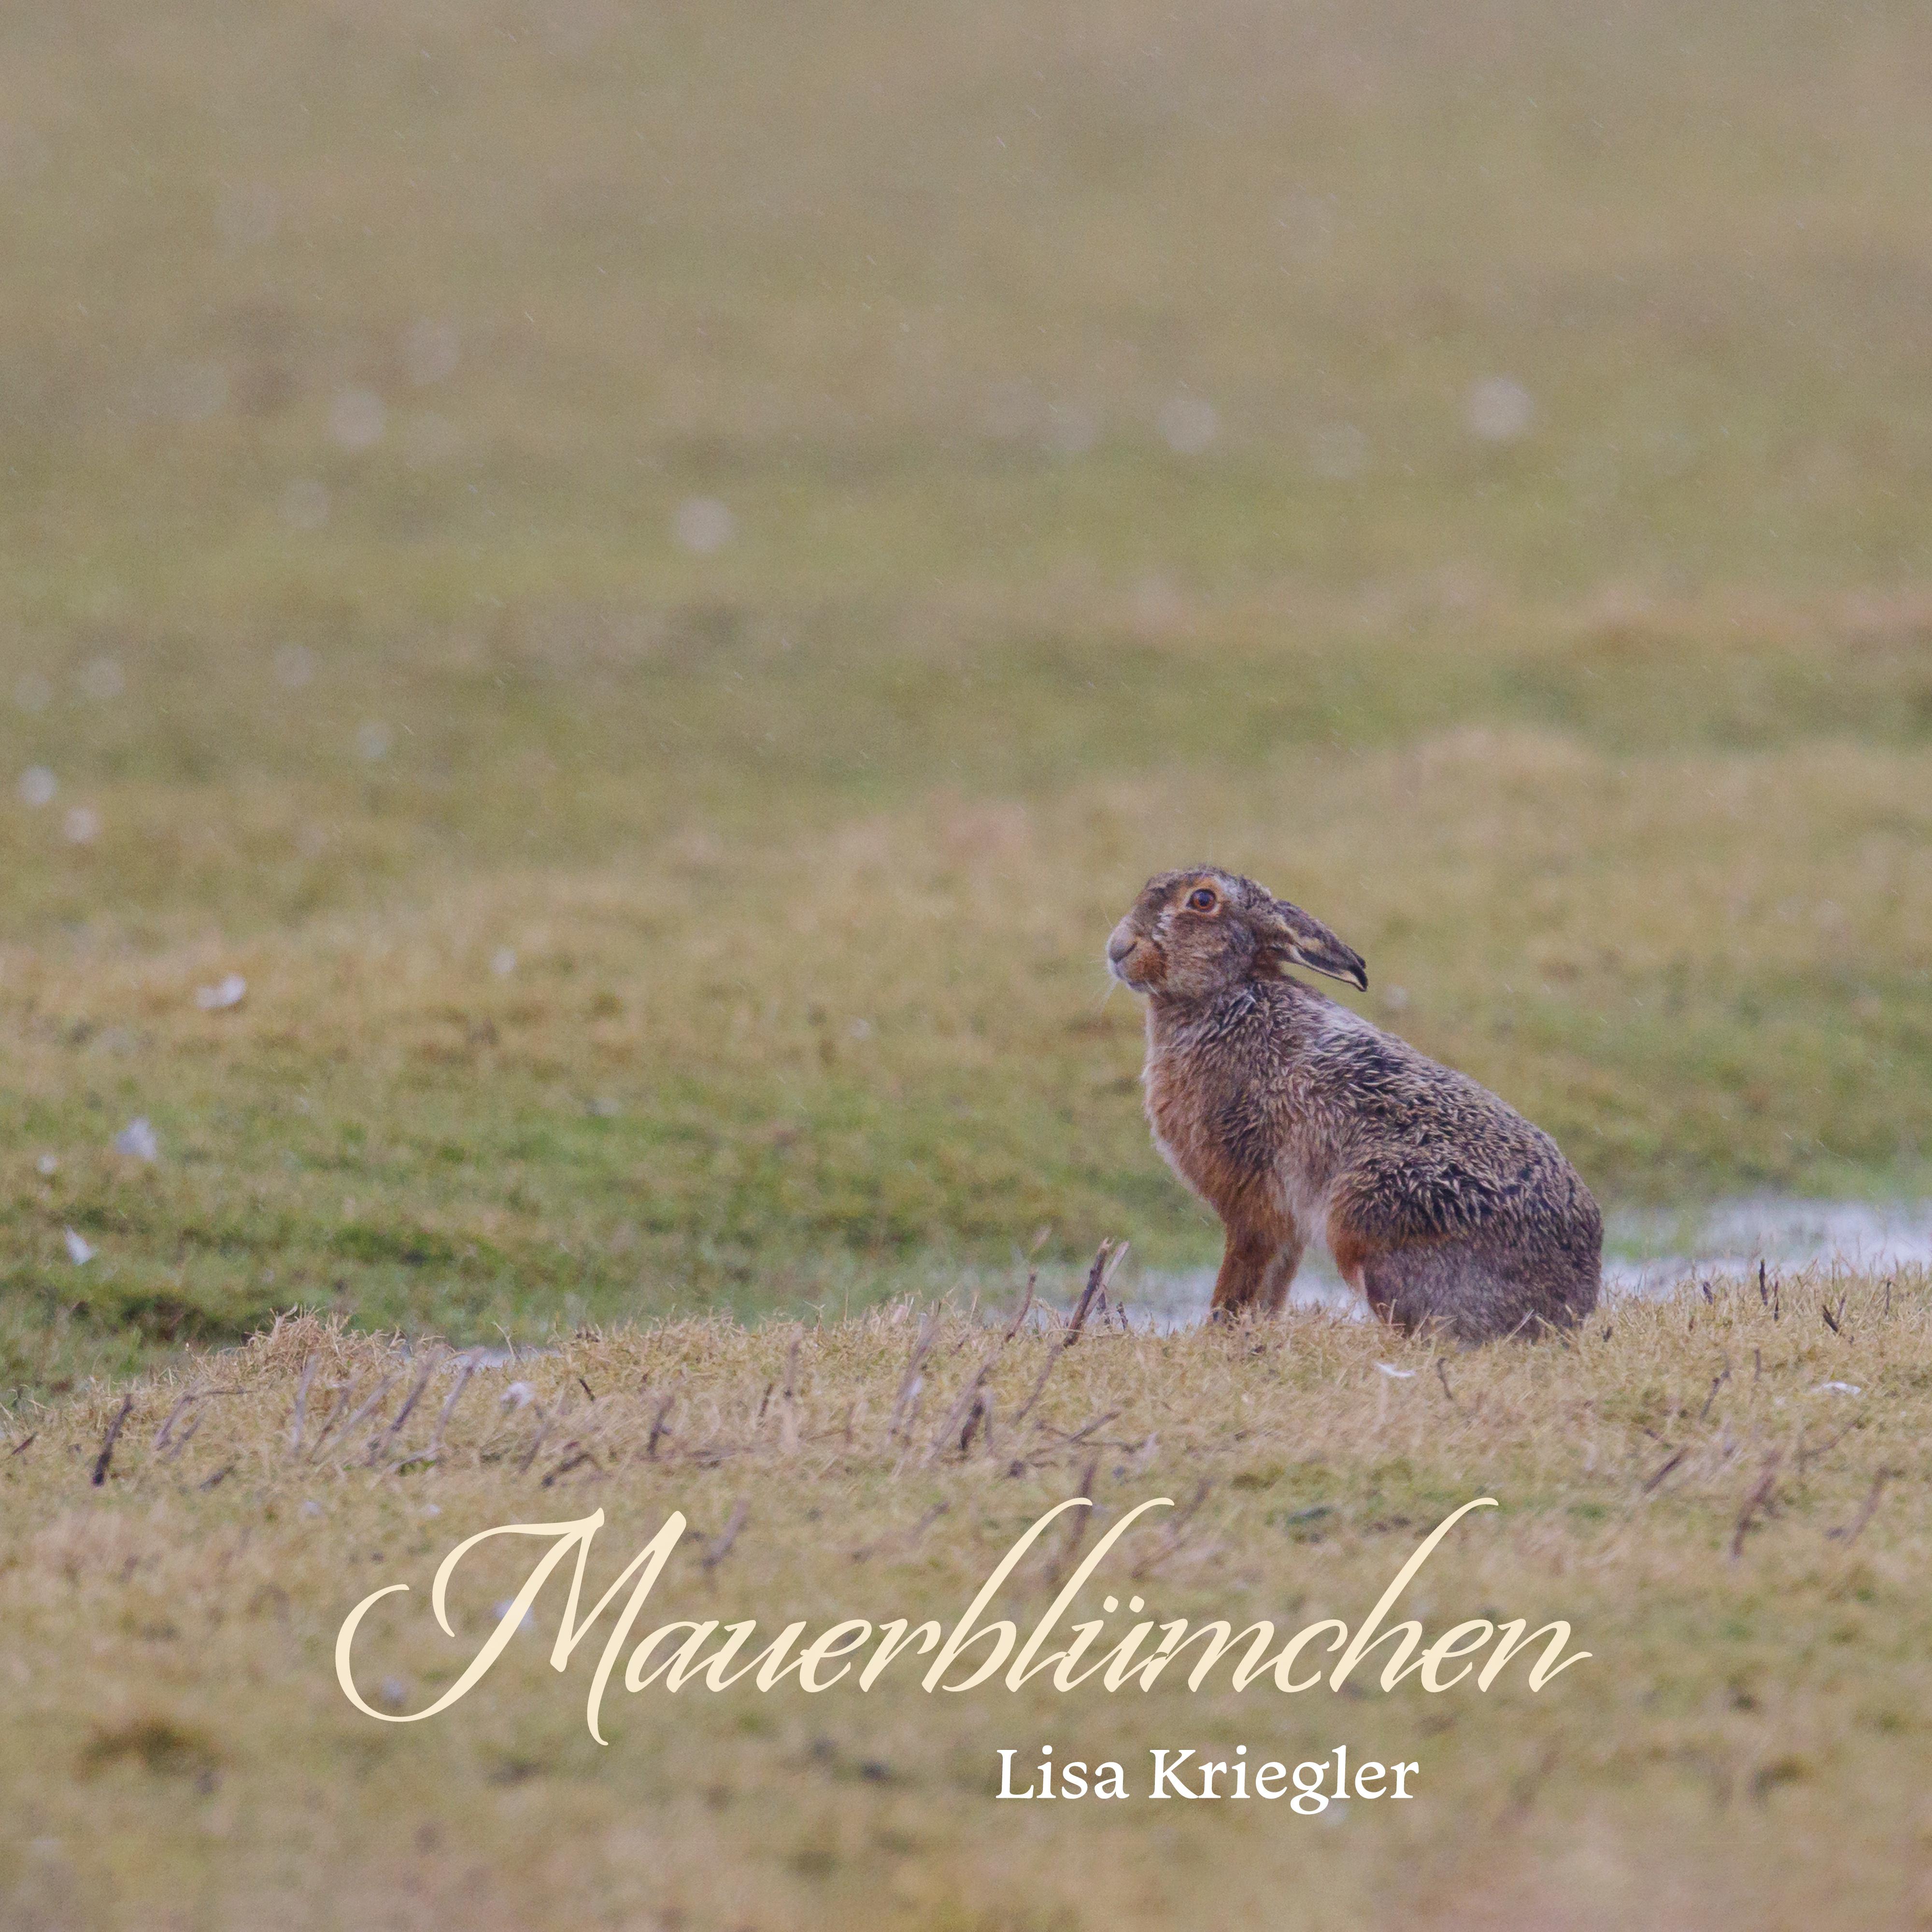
1193, 934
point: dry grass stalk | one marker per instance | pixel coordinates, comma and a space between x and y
371, 1403
108, 1442
1759, 1499
1853, 1531
463, 1375
379, 1445
721, 1548
296, 1420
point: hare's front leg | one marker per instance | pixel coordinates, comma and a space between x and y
1256, 1270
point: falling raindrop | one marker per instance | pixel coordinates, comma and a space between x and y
357, 418
1188, 424
36, 787
80, 1251
83, 826
305, 504
503, 962
704, 524
430, 351
32, 692
137, 1140
47, 1167
1498, 409
373, 741
294, 666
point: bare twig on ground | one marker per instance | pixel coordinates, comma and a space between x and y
968, 1401
1076, 1530
450, 1401
379, 1445
164, 1434
1106, 1259
912, 1382
298, 1420
1019, 1321
1716, 1383
1851, 1531
1170, 1540
1759, 1499
181, 1442
368, 1406
1805, 1456
1104, 1262
1086, 1430
721, 1549
574, 1456
547, 1419
905, 1539
108, 1442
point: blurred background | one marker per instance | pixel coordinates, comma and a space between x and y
604, 605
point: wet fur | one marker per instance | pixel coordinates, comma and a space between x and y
1296, 1120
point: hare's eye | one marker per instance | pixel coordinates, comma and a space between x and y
1201, 901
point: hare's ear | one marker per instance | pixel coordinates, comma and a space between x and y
1293, 938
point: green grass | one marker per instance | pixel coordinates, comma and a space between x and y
1609, 745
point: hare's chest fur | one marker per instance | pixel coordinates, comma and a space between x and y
1227, 1115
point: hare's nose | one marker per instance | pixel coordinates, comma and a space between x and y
1123, 942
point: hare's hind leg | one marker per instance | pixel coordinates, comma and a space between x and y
1256, 1271
1465, 1287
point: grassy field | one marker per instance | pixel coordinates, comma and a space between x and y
648, 584
879, 1051
654, 585
1725, 1495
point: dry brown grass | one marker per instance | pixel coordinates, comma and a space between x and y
1740, 1751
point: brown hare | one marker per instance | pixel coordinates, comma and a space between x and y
1296, 1120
